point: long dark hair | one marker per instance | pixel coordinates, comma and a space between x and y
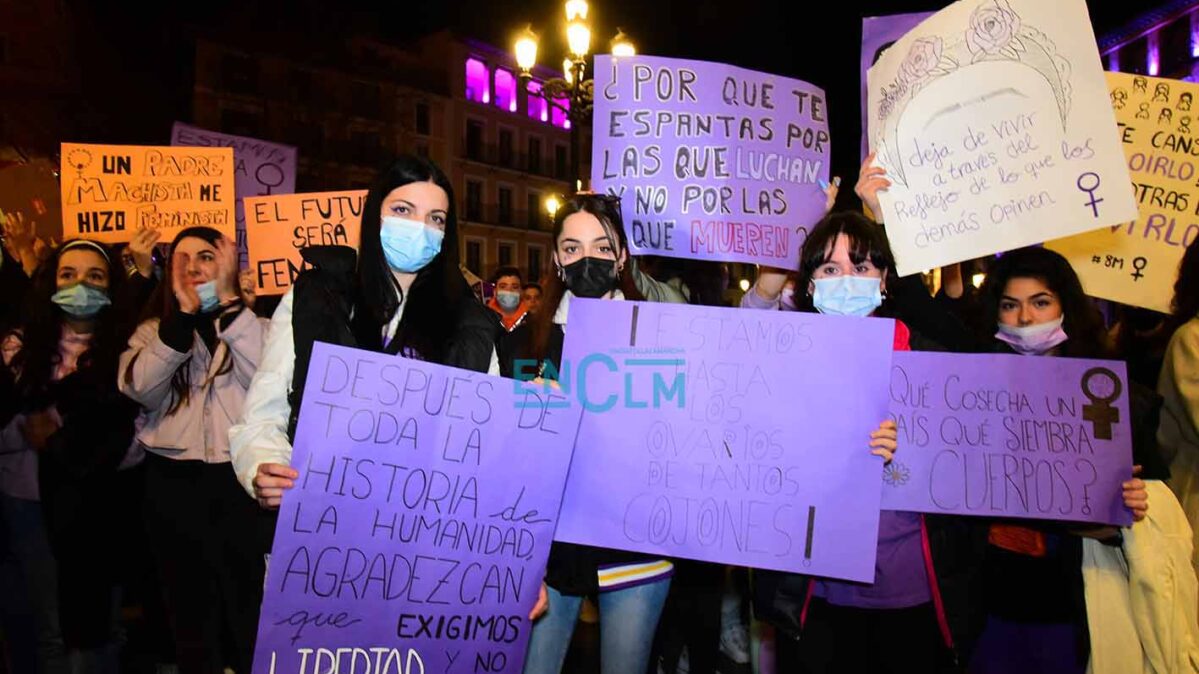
42, 325
606, 209
432, 306
1086, 336
867, 241
1185, 304
163, 304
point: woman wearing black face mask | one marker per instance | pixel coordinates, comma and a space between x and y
591, 260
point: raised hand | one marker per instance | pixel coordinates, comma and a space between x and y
871, 181
141, 248
185, 292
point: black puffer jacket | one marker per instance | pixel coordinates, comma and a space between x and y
323, 311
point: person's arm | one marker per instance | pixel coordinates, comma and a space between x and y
654, 290
156, 351
261, 436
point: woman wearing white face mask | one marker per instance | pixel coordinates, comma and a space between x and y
1033, 576
189, 365
401, 293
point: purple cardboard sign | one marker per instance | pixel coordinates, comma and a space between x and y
712, 162
416, 537
727, 435
260, 168
878, 32
1010, 436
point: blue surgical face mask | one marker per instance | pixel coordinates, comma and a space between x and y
507, 299
847, 295
208, 297
81, 301
409, 245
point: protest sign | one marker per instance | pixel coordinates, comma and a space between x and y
711, 162
416, 536
879, 33
1136, 262
259, 168
277, 227
1003, 435
993, 122
111, 191
727, 435
29, 193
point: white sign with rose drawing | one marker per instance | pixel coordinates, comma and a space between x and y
993, 122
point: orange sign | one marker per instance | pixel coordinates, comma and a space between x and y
280, 225
111, 191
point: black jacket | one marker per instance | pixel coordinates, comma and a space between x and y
323, 311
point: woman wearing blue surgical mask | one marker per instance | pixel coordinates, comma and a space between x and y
401, 293
915, 616
66, 504
1036, 596
189, 365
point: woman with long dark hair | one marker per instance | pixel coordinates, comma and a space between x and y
401, 293
1178, 433
68, 434
189, 365
1034, 580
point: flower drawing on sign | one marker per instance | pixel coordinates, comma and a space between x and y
994, 30
896, 474
994, 33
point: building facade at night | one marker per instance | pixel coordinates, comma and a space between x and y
1160, 43
454, 100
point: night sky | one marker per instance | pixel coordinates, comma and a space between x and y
771, 35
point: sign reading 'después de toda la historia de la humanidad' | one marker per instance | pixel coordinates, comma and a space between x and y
416, 537
711, 162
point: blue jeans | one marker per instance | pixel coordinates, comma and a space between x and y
30, 589
628, 620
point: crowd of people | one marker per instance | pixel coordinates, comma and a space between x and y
149, 404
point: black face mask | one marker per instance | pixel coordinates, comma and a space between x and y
590, 276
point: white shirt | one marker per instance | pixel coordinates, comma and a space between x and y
261, 437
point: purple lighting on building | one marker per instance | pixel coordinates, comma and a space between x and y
560, 118
1154, 59
477, 84
538, 108
505, 90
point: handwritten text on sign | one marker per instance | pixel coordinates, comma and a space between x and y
110, 191
712, 162
259, 167
278, 227
1136, 262
741, 472
417, 533
992, 120
1010, 436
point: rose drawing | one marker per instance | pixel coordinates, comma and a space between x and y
994, 29
922, 59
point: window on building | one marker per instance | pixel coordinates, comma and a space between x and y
3, 48
366, 147
1134, 57
561, 167
474, 200
534, 160
422, 118
505, 203
239, 74
538, 108
507, 254
533, 210
534, 273
505, 90
365, 99
474, 139
1174, 47
558, 116
478, 81
241, 122
474, 256
505, 147
422, 150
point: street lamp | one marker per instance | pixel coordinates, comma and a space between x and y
552, 204
572, 93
